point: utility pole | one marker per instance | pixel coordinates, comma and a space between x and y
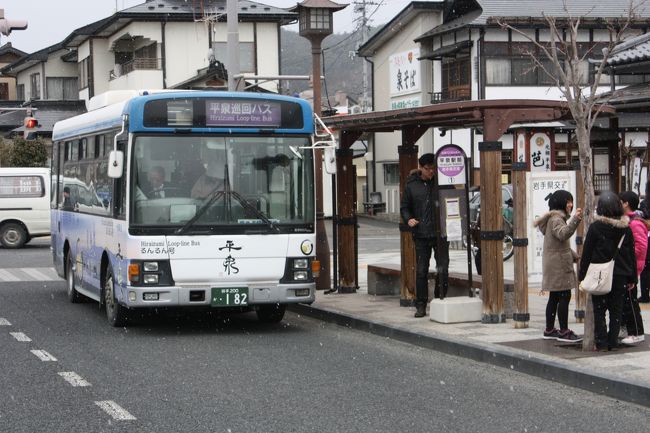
232, 43
361, 8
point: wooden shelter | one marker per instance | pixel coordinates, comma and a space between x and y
493, 117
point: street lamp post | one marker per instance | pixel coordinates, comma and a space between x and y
315, 24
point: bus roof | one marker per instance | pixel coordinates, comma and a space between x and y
110, 116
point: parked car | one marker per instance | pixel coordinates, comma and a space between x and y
24, 205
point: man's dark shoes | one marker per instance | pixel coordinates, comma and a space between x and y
420, 310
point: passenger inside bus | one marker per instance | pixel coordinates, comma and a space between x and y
212, 179
67, 200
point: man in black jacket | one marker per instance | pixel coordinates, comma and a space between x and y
418, 210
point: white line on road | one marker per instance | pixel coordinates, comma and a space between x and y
28, 274
43, 355
7, 276
115, 410
36, 274
20, 336
4, 322
73, 378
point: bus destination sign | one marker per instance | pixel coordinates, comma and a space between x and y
245, 113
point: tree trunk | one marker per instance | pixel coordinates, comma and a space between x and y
582, 135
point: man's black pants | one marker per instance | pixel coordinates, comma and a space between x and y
423, 247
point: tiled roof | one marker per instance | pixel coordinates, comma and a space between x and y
173, 8
634, 94
481, 12
630, 51
8, 48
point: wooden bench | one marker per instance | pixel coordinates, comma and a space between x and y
384, 279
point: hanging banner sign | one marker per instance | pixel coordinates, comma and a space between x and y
450, 161
540, 152
404, 72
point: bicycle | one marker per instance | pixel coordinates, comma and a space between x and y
508, 248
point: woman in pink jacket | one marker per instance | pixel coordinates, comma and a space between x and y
631, 312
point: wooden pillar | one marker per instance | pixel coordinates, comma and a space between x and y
408, 157
346, 214
581, 297
491, 219
521, 315
408, 160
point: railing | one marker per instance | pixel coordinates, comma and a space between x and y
134, 65
451, 95
602, 182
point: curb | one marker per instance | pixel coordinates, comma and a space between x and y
500, 356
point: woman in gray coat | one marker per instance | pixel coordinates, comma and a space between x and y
558, 274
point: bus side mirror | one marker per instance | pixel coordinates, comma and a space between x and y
330, 160
115, 164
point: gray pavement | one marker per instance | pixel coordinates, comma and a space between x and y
622, 374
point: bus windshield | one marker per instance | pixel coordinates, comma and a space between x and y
228, 183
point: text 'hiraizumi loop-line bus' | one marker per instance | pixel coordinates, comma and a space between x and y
186, 199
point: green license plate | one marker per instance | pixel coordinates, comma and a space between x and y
229, 297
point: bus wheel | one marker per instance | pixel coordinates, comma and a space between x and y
73, 295
115, 313
271, 313
12, 235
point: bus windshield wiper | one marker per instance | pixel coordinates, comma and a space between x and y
214, 195
252, 209
226, 192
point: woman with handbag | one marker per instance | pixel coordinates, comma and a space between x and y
602, 244
558, 274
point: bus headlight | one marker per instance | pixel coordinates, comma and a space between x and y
300, 275
300, 263
150, 273
151, 266
298, 269
151, 278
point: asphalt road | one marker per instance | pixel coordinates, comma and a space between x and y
179, 372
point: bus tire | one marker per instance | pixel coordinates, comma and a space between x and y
73, 296
116, 314
272, 313
12, 235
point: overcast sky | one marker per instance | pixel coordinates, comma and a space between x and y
50, 21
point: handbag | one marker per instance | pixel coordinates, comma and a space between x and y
598, 280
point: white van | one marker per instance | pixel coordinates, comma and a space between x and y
24, 204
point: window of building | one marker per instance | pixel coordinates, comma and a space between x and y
20, 92
497, 71
4, 91
510, 64
456, 78
84, 68
62, 88
35, 83
391, 174
246, 55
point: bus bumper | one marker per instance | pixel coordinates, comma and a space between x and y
143, 297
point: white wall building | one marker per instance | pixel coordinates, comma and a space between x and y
157, 44
464, 54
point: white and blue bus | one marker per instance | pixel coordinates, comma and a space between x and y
186, 199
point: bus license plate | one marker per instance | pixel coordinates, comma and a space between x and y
229, 297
